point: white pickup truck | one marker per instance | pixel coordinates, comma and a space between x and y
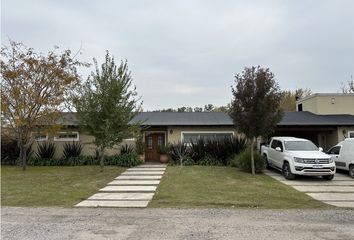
343, 155
297, 156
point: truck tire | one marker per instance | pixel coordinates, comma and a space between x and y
287, 172
266, 163
351, 171
328, 177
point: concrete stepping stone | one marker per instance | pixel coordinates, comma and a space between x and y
349, 197
152, 165
145, 169
143, 173
128, 189
122, 196
134, 177
103, 203
320, 182
134, 182
341, 204
348, 189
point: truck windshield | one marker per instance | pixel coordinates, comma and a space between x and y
300, 146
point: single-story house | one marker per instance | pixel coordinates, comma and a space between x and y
160, 128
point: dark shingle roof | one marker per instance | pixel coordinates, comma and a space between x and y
308, 118
183, 118
221, 119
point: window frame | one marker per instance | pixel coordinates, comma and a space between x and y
232, 133
56, 139
40, 140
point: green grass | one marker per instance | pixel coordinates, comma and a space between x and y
198, 186
52, 186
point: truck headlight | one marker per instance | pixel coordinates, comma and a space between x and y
299, 160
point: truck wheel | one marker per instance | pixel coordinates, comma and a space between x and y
287, 172
328, 177
266, 163
351, 171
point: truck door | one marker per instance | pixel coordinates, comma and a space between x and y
334, 152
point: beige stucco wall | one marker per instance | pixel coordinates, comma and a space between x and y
88, 148
174, 136
337, 136
329, 104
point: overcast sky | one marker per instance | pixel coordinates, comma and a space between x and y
186, 53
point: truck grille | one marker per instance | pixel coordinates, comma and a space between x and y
316, 161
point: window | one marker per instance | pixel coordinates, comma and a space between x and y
195, 136
66, 136
351, 134
149, 143
334, 150
160, 141
276, 144
39, 137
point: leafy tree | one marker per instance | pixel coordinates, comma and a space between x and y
107, 104
198, 109
181, 109
208, 108
255, 107
288, 100
34, 88
349, 88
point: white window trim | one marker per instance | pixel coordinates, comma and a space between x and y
198, 132
350, 132
67, 139
41, 139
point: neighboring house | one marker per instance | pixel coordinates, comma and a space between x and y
329, 118
159, 128
327, 103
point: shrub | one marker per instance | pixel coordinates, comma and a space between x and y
10, 151
72, 150
162, 149
179, 152
221, 151
188, 161
46, 150
209, 160
123, 160
243, 161
126, 149
139, 146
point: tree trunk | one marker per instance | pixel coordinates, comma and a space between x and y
102, 158
252, 157
24, 158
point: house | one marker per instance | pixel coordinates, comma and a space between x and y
316, 120
324, 118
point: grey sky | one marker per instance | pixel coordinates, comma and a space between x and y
186, 53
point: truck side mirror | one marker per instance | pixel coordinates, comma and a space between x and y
278, 149
320, 149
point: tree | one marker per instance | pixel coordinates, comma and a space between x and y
349, 88
208, 108
288, 100
34, 88
107, 104
255, 107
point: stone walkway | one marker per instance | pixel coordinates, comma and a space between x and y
133, 188
339, 192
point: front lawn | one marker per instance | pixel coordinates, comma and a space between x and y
198, 186
53, 186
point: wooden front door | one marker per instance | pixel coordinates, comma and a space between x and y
152, 141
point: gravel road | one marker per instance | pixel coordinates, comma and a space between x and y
89, 223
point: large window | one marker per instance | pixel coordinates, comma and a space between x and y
188, 137
66, 136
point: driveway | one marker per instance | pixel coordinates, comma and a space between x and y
156, 224
339, 192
